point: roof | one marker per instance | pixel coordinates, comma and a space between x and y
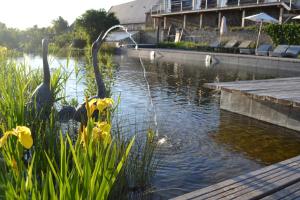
133, 12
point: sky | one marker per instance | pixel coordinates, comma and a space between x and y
23, 14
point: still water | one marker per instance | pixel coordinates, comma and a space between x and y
204, 145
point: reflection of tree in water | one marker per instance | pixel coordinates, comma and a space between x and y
260, 141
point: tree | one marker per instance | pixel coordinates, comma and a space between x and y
93, 22
60, 25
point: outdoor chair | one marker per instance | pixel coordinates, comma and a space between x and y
279, 51
215, 44
263, 50
293, 51
231, 44
244, 47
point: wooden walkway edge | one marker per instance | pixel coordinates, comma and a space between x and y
275, 101
285, 91
278, 181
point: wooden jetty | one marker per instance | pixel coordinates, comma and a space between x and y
276, 101
278, 181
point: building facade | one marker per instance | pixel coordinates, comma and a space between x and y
135, 14
208, 13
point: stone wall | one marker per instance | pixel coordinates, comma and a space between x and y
207, 35
148, 37
211, 35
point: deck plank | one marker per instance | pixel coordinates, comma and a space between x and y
288, 193
285, 91
256, 184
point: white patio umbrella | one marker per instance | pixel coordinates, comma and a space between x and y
223, 27
297, 17
261, 17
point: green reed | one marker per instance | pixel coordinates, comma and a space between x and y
55, 167
59, 166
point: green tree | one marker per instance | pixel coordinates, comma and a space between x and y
93, 22
60, 25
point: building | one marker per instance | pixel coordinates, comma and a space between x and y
133, 14
208, 13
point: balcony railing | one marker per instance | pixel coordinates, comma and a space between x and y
177, 6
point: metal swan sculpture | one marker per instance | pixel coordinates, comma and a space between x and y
41, 101
80, 114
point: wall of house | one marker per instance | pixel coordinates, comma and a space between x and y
206, 36
210, 35
135, 27
210, 19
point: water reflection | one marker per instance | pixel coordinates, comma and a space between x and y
201, 145
266, 144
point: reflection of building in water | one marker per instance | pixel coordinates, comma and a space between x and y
260, 141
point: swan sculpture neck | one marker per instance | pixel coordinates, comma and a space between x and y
100, 84
45, 62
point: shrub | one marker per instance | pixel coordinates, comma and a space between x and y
284, 33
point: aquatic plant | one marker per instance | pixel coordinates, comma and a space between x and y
37, 161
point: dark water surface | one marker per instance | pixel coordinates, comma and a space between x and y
204, 145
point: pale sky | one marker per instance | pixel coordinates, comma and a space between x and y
26, 13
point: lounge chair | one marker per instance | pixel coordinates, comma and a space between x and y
231, 44
279, 51
263, 50
215, 44
293, 51
244, 47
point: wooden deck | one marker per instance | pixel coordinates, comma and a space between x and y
278, 181
284, 91
275, 101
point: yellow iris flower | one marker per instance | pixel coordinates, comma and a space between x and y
98, 104
101, 132
3, 50
92, 106
83, 139
102, 104
24, 136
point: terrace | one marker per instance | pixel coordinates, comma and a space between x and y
173, 7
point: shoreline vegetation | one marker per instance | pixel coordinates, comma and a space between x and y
40, 160
78, 35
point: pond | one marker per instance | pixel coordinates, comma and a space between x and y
203, 144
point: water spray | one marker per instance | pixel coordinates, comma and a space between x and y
124, 29
144, 70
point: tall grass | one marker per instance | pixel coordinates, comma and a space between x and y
137, 175
60, 166
54, 167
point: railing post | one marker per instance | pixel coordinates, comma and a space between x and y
280, 15
159, 8
257, 2
239, 2
205, 4
201, 18
243, 18
219, 19
181, 5
290, 4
